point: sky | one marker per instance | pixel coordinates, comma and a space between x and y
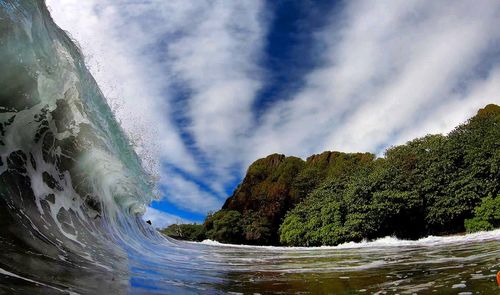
205, 87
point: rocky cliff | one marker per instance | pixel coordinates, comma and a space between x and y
275, 184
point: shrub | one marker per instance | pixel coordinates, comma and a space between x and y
487, 215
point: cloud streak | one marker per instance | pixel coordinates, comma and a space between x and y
184, 77
386, 66
146, 54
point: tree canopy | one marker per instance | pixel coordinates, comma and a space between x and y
436, 184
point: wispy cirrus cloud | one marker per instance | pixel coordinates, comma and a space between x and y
186, 76
387, 67
181, 76
119, 54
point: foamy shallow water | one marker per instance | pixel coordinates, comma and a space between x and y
454, 264
382, 242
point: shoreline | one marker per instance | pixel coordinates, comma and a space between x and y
380, 242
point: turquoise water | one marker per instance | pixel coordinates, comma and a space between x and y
72, 191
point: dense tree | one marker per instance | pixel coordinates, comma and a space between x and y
436, 184
430, 185
487, 215
224, 226
275, 184
188, 232
321, 218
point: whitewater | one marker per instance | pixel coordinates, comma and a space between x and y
72, 191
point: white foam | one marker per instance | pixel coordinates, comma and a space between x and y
458, 286
429, 241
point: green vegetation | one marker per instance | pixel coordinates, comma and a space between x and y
225, 225
272, 187
188, 232
431, 185
487, 215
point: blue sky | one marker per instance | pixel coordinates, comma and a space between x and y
203, 88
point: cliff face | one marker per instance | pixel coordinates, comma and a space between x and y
265, 195
275, 184
437, 184
268, 181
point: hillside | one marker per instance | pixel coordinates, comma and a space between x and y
275, 184
436, 184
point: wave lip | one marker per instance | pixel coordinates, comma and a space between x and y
71, 189
71, 184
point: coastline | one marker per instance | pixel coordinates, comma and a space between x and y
388, 241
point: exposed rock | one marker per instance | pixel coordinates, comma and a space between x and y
275, 184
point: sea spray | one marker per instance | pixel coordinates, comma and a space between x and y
71, 189
68, 175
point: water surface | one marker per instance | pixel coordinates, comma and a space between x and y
446, 265
72, 191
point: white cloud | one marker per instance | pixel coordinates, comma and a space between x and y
137, 50
390, 71
187, 194
133, 81
386, 66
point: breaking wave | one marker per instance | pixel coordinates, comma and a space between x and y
71, 185
72, 191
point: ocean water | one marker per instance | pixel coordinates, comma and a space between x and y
72, 191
